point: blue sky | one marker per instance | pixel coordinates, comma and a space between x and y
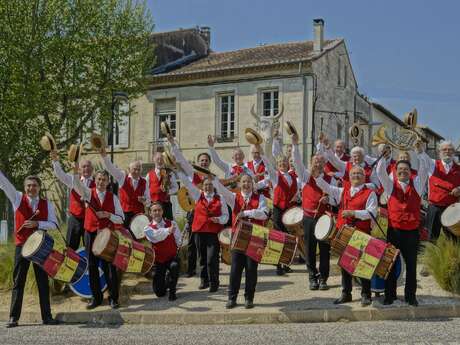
404, 53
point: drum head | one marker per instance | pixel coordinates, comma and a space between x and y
137, 225
451, 215
294, 215
323, 227
101, 240
224, 236
33, 243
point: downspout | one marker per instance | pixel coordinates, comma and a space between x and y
307, 139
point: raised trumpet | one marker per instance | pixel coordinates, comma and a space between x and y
405, 139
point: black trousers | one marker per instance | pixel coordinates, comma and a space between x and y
110, 272
191, 247
433, 223
239, 262
310, 247
277, 219
75, 232
407, 242
165, 276
21, 267
128, 217
167, 210
208, 248
347, 284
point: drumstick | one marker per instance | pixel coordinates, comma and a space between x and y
36, 213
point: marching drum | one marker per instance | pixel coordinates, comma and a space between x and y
137, 225
224, 240
450, 218
81, 286
293, 221
325, 228
59, 262
340, 241
105, 244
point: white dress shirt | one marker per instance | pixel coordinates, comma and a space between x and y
15, 198
67, 179
162, 232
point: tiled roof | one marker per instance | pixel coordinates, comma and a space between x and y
252, 57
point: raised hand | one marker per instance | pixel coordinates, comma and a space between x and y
211, 141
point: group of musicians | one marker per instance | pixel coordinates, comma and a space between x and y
351, 186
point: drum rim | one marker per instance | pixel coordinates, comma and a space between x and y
43, 232
292, 208
229, 237
139, 216
449, 208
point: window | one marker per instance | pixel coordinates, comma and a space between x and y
339, 130
165, 111
120, 127
226, 106
270, 102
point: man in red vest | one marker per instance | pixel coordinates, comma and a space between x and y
133, 190
339, 152
357, 205
250, 206
30, 213
103, 211
210, 216
443, 187
166, 239
76, 218
314, 204
204, 161
157, 179
404, 201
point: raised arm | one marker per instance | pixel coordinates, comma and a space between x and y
332, 158
113, 170
222, 165
420, 181
333, 191
193, 191
12, 194
272, 175
183, 162
300, 170
382, 175
223, 219
174, 186
118, 217
277, 147
228, 196
81, 189
58, 172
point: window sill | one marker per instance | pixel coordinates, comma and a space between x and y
225, 140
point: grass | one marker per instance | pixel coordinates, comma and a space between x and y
443, 262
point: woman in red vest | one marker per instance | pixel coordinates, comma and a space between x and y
210, 216
357, 206
166, 238
284, 184
133, 190
204, 161
30, 213
252, 207
443, 187
76, 219
314, 204
103, 211
404, 201
156, 185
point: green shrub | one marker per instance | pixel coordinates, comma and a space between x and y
443, 262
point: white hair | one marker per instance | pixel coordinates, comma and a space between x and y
357, 149
132, 164
445, 143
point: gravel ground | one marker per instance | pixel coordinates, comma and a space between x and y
443, 331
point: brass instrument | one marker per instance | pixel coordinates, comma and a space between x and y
165, 179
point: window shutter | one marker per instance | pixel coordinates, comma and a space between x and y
123, 126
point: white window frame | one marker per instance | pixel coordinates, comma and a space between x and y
123, 115
262, 92
158, 136
219, 97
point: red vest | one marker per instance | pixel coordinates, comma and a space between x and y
237, 170
241, 206
283, 193
166, 249
404, 208
23, 213
329, 168
197, 179
357, 202
92, 222
76, 205
346, 176
311, 194
440, 181
259, 176
204, 211
128, 195
156, 194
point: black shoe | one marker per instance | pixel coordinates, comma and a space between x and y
323, 285
203, 286
114, 304
365, 301
413, 302
92, 303
280, 271
214, 288
172, 296
11, 323
231, 303
345, 298
388, 301
288, 269
191, 274
51, 322
314, 284
249, 304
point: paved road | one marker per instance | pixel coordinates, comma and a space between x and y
386, 332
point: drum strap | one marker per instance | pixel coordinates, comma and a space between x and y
378, 225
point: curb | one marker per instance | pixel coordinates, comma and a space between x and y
235, 318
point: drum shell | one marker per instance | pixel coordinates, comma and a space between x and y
241, 236
332, 229
149, 260
109, 251
341, 239
453, 228
43, 251
225, 249
387, 261
80, 271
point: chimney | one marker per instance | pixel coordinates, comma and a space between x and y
318, 33
205, 32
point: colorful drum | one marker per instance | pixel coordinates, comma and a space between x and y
81, 286
387, 261
340, 241
325, 228
224, 240
105, 244
378, 283
137, 225
450, 218
38, 247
